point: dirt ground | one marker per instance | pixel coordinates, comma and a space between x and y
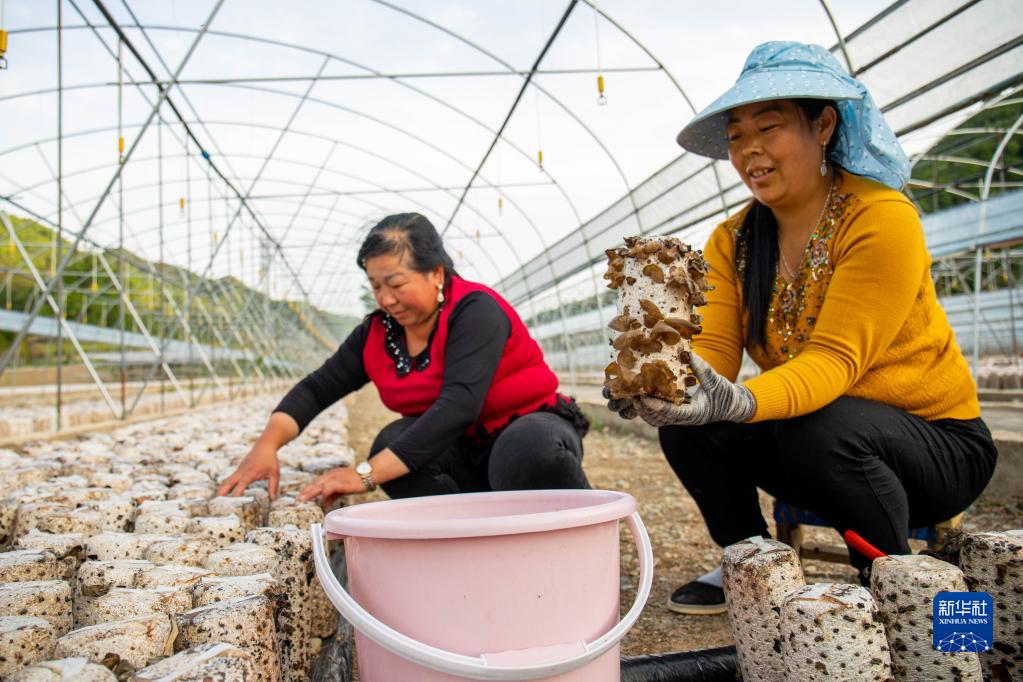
682, 548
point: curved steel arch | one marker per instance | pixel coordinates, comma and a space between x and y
257, 209
671, 77
614, 161
545, 92
570, 113
334, 56
208, 122
454, 159
477, 47
136, 233
1010, 97
377, 208
999, 150
172, 203
314, 135
325, 191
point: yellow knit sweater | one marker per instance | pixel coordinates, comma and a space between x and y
861, 319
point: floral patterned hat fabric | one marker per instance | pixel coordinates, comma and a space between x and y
787, 70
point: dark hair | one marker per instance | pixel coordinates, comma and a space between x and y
407, 232
759, 237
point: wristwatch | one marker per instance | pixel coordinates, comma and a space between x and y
365, 471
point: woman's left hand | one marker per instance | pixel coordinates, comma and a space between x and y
715, 399
623, 406
336, 482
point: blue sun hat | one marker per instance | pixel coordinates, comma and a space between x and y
785, 70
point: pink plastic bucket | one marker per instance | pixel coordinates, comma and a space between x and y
486, 586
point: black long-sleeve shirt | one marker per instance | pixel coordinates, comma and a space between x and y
477, 332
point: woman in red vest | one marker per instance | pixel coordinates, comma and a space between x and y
480, 408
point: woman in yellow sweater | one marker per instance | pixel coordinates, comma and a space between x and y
865, 411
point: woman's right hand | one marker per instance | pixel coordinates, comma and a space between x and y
261, 462
259, 465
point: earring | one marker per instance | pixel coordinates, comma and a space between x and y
440, 293
824, 162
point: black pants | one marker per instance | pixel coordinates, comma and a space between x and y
857, 464
536, 451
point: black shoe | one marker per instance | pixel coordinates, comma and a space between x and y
698, 599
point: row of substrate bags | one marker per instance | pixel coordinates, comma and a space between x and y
117, 560
787, 630
19, 422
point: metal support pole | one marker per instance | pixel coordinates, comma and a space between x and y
223, 342
255, 330
48, 288
838, 34
59, 236
1011, 283
188, 268
243, 198
230, 274
985, 192
161, 85
978, 257
195, 342
266, 264
55, 307
160, 319
212, 238
518, 98
120, 226
133, 311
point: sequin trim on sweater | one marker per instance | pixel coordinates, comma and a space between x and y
796, 305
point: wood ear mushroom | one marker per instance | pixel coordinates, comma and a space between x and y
660, 281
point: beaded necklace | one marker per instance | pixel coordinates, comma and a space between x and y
394, 341
805, 293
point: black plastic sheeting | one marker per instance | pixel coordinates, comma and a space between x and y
705, 665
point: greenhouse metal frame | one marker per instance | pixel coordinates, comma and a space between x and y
246, 288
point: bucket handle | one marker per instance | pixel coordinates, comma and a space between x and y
477, 667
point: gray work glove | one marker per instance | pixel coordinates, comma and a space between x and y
716, 399
625, 407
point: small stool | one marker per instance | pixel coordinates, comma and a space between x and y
789, 519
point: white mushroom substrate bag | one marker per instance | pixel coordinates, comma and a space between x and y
126, 528
758, 575
904, 587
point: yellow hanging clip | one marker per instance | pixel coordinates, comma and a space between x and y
500, 205
216, 238
181, 204
94, 287
3, 49
539, 158
601, 99
120, 144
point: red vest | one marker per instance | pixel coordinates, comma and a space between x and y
522, 383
